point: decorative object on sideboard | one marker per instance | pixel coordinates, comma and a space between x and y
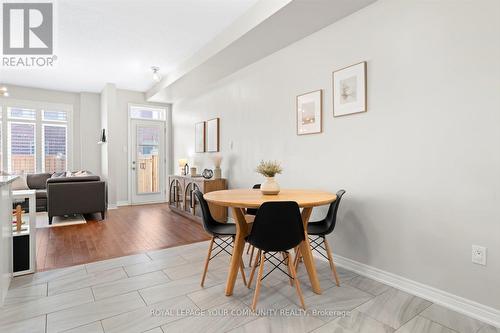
102, 139
192, 171
269, 169
349, 90
212, 135
309, 111
207, 174
183, 166
199, 137
217, 158
4, 92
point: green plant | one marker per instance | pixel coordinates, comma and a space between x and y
269, 168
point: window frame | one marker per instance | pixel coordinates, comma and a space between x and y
6, 103
55, 124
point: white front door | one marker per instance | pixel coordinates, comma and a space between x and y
147, 169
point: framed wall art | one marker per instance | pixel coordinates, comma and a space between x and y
309, 112
349, 90
212, 135
199, 137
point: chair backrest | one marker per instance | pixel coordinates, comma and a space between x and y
277, 226
253, 211
208, 221
331, 216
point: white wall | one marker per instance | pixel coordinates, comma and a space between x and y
420, 167
108, 149
90, 131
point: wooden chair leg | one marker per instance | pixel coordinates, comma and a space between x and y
332, 264
297, 259
243, 273
252, 273
286, 257
297, 284
251, 255
207, 260
259, 281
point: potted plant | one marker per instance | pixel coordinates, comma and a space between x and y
269, 169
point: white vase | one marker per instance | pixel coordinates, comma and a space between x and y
217, 173
270, 186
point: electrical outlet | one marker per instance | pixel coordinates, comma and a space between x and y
479, 255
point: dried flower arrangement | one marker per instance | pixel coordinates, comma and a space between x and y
269, 168
217, 159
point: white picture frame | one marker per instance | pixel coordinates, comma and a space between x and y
349, 90
199, 137
309, 111
212, 135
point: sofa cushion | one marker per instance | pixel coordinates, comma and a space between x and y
73, 179
40, 194
38, 181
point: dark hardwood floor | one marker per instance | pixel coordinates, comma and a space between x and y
127, 230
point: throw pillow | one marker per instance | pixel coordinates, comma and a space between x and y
81, 173
58, 174
20, 184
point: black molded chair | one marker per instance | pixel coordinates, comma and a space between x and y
318, 231
222, 235
251, 212
277, 228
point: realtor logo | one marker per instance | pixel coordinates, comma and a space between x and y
28, 28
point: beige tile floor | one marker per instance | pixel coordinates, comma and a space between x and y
160, 292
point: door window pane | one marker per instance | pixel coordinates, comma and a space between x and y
21, 113
147, 164
54, 148
22, 148
138, 112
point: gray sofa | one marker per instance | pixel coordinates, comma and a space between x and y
68, 195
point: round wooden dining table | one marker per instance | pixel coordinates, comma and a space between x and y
240, 199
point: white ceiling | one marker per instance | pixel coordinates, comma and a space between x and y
100, 41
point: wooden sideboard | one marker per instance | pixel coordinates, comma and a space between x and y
182, 200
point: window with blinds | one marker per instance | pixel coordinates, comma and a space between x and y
22, 147
54, 148
36, 140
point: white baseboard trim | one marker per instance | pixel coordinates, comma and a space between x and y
465, 306
111, 206
128, 203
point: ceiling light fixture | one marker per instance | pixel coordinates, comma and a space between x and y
4, 92
156, 74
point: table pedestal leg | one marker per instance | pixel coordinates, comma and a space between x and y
239, 246
305, 251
